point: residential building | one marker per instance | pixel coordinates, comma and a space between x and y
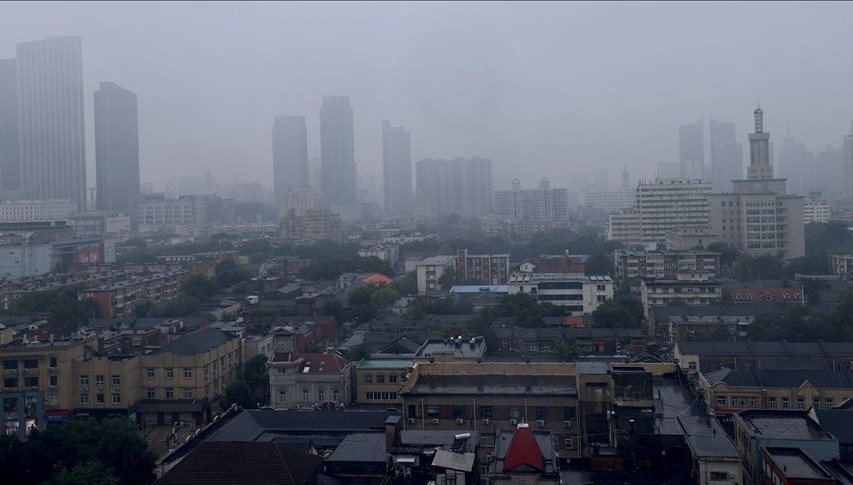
789, 294
726, 156
42, 210
296, 202
378, 381
759, 217
51, 119
662, 206
815, 210
430, 272
337, 150
183, 377
116, 148
396, 169
554, 263
460, 186
728, 391
540, 205
609, 201
314, 225
157, 211
841, 265
578, 295
10, 153
746, 356
672, 265
308, 380
486, 269
590, 340
756, 430
674, 292
121, 298
290, 157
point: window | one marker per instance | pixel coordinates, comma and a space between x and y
368, 379
282, 396
170, 373
31, 363
150, 373
321, 395
52, 362
392, 379
84, 399
10, 382
380, 379
150, 393
188, 393
568, 442
84, 380
54, 380
816, 403
31, 381
10, 364
99, 398
458, 412
828, 403
541, 412
170, 393
568, 414
281, 370
487, 440
433, 411
305, 394
116, 380
721, 400
718, 476
800, 403
412, 411
116, 398
188, 373
772, 403
336, 395
514, 413
99, 380
784, 403
485, 412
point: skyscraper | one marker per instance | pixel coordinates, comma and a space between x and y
50, 107
847, 151
116, 148
691, 150
796, 163
289, 153
396, 168
459, 186
337, 150
726, 156
10, 161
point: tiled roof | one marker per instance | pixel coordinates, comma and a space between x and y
524, 451
196, 343
246, 463
787, 378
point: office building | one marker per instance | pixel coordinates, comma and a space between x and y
10, 162
579, 295
540, 205
726, 156
666, 264
36, 210
759, 217
815, 210
796, 164
847, 153
51, 119
691, 150
290, 155
297, 201
337, 150
482, 269
662, 206
460, 186
116, 148
396, 169
312, 226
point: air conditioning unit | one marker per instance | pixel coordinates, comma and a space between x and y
540, 423
434, 420
513, 422
567, 423
411, 420
460, 421
486, 420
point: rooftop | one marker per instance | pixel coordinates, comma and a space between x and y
360, 448
779, 424
781, 378
765, 348
796, 464
196, 342
384, 364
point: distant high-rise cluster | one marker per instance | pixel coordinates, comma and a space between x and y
726, 156
337, 150
42, 129
460, 186
691, 150
396, 168
540, 205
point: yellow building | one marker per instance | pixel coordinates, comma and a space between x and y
729, 392
378, 381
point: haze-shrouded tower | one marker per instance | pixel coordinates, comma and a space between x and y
691, 150
337, 150
116, 148
10, 159
396, 168
726, 156
50, 107
289, 153
759, 150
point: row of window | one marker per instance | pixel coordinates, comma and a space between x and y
12, 382
489, 412
99, 380
321, 395
168, 372
11, 364
385, 396
772, 402
380, 379
100, 398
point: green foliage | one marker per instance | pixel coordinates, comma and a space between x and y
798, 324
812, 289
182, 306
620, 312
567, 351
360, 351
332, 266
61, 306
406, 285
256, 376
525, 309
79, 452
228, 273
238, 392
199, 287
751, 268
728, 254
383, 298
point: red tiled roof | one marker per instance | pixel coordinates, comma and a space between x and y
573, 321
377, 279
324, 363
523, 450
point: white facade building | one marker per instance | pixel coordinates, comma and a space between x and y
430, 270
298, 201
543, 204
308, 380
36, 210
580, 295
815, 210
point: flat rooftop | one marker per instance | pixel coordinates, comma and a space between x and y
778, 424
385, 363
796, 464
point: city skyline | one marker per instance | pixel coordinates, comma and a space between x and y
219, 120
116, 148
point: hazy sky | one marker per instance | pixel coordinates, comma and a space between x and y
543, 89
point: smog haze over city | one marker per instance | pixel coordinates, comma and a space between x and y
554, 90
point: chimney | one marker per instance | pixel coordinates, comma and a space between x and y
392, 426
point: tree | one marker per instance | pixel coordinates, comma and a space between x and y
256, 376
406, 285
199, 287
360, 351
238, 392
728, 254
383, 298
812, 289
567, 351
614, 314
92, 473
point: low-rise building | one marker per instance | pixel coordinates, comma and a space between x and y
121, 298
485, 269
452, 349
578, 295
746, 355
793, 466
430, 271
308, 380
378, 381
841, 265
667, 265
677, 292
